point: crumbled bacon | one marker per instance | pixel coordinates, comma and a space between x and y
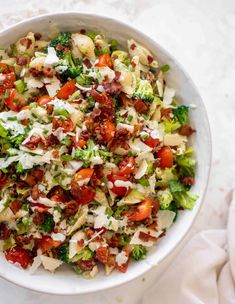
71, 208
132, 46
140, 106
48, 72
22, 60
38, 217
82, 31
35, 193
117, 75
23, 240
120, 140
35, 72
34, 176
188, 180
102, 254
3, 180
113, 242
124, 100
150, 59
33, 142
186, 130
15, 206
52, 141
145, 237
26, 42
86, 265
112, 87
166, 113
5, 231
87, 63
37, 36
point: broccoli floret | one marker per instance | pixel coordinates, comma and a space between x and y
48, 224
124, 239
139, 252
63, 39
181, 113
144, 90
182, 197
73, 69
63, 253
165, 176
84, 255
165, 198
186, 165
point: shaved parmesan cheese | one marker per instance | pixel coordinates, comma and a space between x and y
93, 246
174, 139
121, 183
137, 241
105, 73
81, 217
168, 95
51, 57
142, 169
152, 183
138, 146
52, 85
33, 82
62, 105
102, 220
50, 264
14, 126
74, 247
125, 126
165, 219
121, 258
96, 160
36, 263
43, 200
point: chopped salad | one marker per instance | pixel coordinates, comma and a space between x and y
95, 160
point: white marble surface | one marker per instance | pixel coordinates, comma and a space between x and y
200, 34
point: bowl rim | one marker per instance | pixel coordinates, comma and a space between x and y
181, 239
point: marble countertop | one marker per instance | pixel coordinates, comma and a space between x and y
200, 34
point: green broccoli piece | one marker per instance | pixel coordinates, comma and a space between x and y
182, 197
84, 80
85, 254
121, 55
124, 239
181, 113
48, 224
144, 90
187, 165
74, 68
63, 39
166, 175
165, 198
139, 252
63, 253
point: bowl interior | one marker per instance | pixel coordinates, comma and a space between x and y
66, 281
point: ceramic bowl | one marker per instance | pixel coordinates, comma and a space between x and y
65, 281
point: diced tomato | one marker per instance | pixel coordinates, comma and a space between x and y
47, 243
44, 100
165, 155
104, 60
66, 124
119, 190
67, 90
126, 166
15, 206
151, 142
12, 102
85, 195
142, 211
140, 106
107, 131
102, 254
5, 68
18, 255
83, 174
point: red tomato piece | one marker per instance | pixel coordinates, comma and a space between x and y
58, 194
7, 82
104, 60
142, 211
85, 195
15, 206
83, 174
66, 124
126, 166
47, 243
119, 190
151, 142
165, 155
107, 131
67, 90
18, 255
44, 100
12, 102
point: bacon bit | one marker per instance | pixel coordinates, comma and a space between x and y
22, 60
132, 46
56, 154
23, 240
120, 139
71, 208
35, 72
89, 233
37, 36
156, 205
112, 87
80, 242
166, 113
82, 31
113, 242
145, 237
58, 194
26, 42
49, 109
186, 130
33, 142
150, 59
102, 254
48, 72
87, 63
15, 206
35, 193
140, 106
97, 175
133, 64
188, 180
107, 105
124, 100
86, 265
3, 180
5, 231
117, 75
52, 141
38, 217
37, 174
111, 261
24, 122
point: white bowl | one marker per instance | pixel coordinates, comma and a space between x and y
65, 281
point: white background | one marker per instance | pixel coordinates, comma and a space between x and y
201, 35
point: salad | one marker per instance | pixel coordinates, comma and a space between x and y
95, 160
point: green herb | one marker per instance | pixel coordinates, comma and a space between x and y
19, 168
63, 253
78, 270
108, 212
181, 113
143, 181
62, 112
129, 118
20, 86
113, 45
63, 39
144, 136
165, 68
139, 252
144, 116
6, 94
120, 209
48, 224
